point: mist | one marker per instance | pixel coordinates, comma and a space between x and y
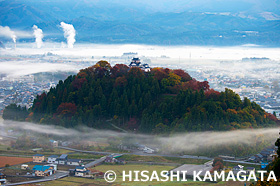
38, 33
69, 33
22, 68
201, 58
7, 32
176, 143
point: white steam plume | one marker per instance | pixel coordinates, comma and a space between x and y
69, 33
7, 32
38, 33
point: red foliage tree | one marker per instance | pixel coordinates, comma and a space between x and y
185, 76
196, 85
271, 117
78, 82
66, 109
121, 81
135, 72
119, 70
159, 73
211, 93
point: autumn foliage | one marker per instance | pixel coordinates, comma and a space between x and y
160, 101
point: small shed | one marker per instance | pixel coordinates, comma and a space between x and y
24, 167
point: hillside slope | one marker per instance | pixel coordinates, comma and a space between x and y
160, 101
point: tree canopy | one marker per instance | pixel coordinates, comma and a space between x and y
159, 101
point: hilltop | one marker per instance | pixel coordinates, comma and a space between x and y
157, 101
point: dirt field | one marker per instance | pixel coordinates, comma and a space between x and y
13, 160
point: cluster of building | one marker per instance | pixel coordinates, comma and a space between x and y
21, 90
264, 157
114, 160
136, 63
58, 160
53, 161
239, 168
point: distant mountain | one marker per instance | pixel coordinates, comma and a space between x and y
171, 22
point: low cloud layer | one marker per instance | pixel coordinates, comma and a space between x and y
21, 68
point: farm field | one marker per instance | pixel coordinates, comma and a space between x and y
4, 160
75, 181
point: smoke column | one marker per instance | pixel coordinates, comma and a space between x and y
38, 33
7, 32
69, 33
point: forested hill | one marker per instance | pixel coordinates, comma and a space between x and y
159, 101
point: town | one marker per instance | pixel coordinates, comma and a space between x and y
51, 158
64, 160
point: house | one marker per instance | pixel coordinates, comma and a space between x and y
141, 147
3, 181
42, 170
274, 156
252, 158
249, 170
146, 67
62, 160
54, 143
24, 167
75, 162
110, 159
263, 165
265, 153
52, 158
53, 166
149, 151
259, 156
38, 158
136, 63
82, 171
237, 168
2, 176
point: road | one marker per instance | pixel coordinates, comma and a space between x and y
96, 162
57, 175
84, 151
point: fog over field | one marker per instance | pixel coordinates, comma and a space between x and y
191, 141
195, 52
35, 59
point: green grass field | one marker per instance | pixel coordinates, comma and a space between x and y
161, 159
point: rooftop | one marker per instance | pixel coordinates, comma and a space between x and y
40, 155
40, 168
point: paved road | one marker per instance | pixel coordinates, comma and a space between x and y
84, 151
57, 175
96, 162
